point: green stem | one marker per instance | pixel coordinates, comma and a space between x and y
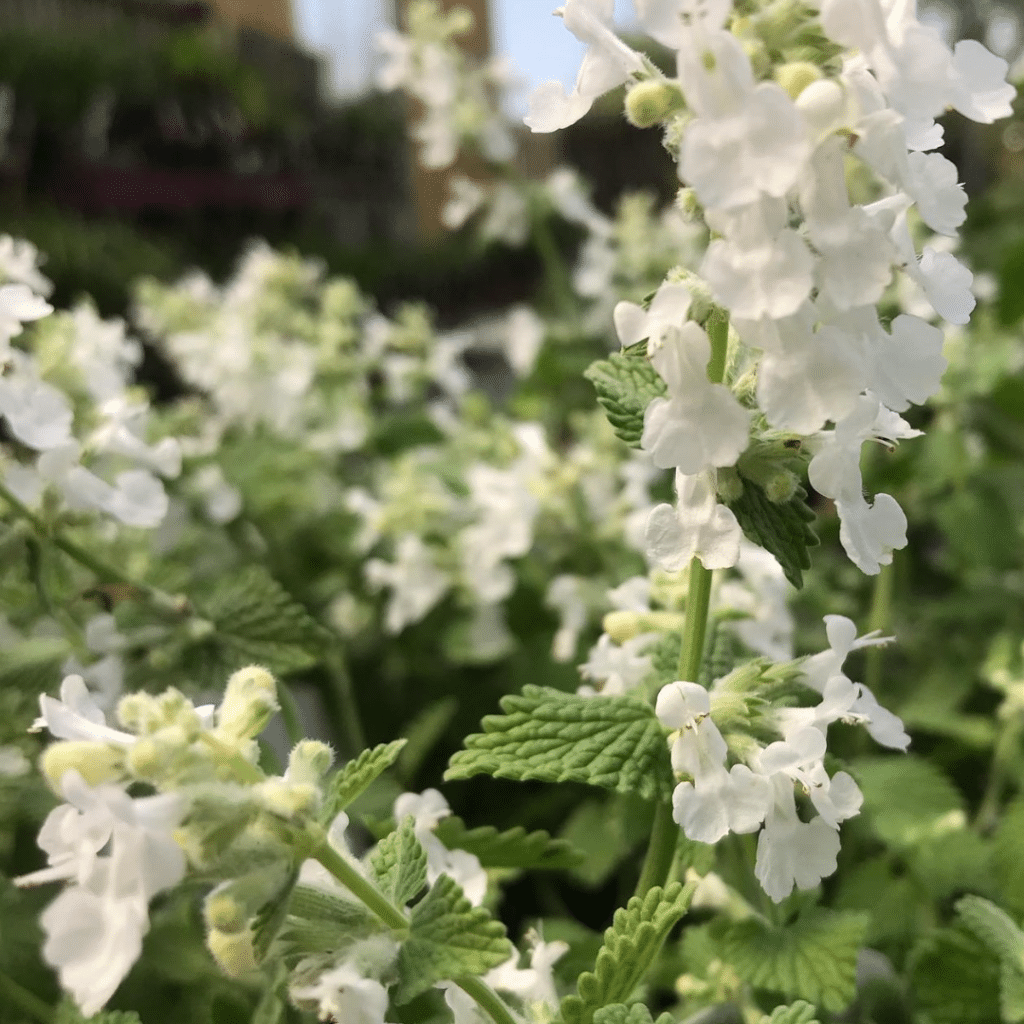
486, 998
1004, 755
718, 334
108, 573
691, 651
28, 1002
349, 877
661, 850
289, 713
342, 696
556, 273
880, 618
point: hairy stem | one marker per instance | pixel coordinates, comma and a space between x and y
164, 602
486, 998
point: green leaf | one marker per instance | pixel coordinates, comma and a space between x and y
783, 528
271, 916
954, 978
255, 620
630, 946
1008, 842
997, 930
319, 921
32, 665
399, 864
68, 1013
907, 798
613, 742
349, 781
635, 1014
796, 1013
606, 828
812, 958
515, 848
448, 938
625, 386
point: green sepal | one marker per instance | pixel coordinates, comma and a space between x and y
630, 945
550, 736
352, 779
448, 938
626, 384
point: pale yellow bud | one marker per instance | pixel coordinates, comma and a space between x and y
623, 626
309, 761
288, 799
797, 76
250, 701
781, 486
233, 952
648, 103
223, 913
730, 486
95, 762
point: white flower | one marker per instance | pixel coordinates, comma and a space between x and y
565, 595
524, 335
18, 305
619, 668
37, 413
870, 533
415, 582
791, 852
18, 263
465, 198
699, 424
607, 63
343, 994
698, 527
77, 716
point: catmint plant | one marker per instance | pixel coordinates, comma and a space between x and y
769, 348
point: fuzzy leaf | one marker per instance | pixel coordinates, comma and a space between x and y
997, 930
796, 1013
625, 386
515, 848
908, 799
254, 620
351, 779
954, 978
399, 864
635, 1014
812, 958
448, 938
68, 1013
630, 946
613, 742
783, 528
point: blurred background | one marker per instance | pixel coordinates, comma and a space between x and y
147, 136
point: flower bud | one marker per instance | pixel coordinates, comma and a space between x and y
781, 486
652, 101
287, 799
250, 701
823, 105
95, 762
233, 952
224, 913
146, 759
309, 761
796, 76
623, 626
729, 485
687, 204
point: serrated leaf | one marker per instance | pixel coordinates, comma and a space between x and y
782, 529
625, 386
812, 958
448, 938
613, 742
1001, 935
352, 779
256, 620
399, 863
635, 1014
796, 1013
271, 916
907, 798
954, 978
630, 946
514, 848
68, 1013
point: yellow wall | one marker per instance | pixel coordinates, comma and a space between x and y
271, 16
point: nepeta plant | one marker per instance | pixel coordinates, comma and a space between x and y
804, 136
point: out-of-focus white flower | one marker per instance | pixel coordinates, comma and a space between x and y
343, 994
415, 582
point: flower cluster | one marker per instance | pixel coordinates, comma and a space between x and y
757, 793
769, 121
80, 429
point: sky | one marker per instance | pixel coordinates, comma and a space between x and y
524, 30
